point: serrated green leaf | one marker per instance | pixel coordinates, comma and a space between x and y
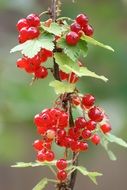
68, 66
117, 140
96, 43
105, 143
31, 47
54, 28
41, 185
74, 52
91, 175
62, 87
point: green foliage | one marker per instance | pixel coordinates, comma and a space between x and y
67, 65
54, 28
41, 185
96, 43
91, 175
62, 87
73, 52
105, 144
114, 139
31, 47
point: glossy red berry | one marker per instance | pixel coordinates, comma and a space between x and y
75, 27
61, 164
91, 125
49, 156
72, 38
80, 122
86, 134
61, 133
33, 20
88, 30
21, 63
41, 72
33, 32
95, 139
61, 175
106, 128
38, 145
83, 146
82, 20
63, 75
41, 156
88, 100
96, 114
21, 24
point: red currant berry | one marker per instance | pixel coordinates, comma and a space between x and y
38, 145
63, 75
88, 30
61, 133
49, 156
33, 32
80, 122
63, 121
41, 72
48, 53
24, 33
61, 175
95, 139
88, 100
96, 114
33, 20
86, 134
72, 38
61, 164
75, 27
41, 156
82, 20
106, 128
75, 146
21, 24
83, 146
91, 125
21, 63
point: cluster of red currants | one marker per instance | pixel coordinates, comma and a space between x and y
33, 65
79, 27
28, 28
94, 118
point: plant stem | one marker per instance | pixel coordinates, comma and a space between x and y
71, 183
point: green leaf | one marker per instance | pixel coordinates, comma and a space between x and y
91, 175
41, 185
96, 43
34, 164
31, 47
62, 87
105, 143
74, 52
54, 28
24, 165
68, 66
114, 139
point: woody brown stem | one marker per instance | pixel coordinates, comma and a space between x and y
70, 184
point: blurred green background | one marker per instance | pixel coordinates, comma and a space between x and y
19, 101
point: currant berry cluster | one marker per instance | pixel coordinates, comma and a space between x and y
79, 27
94, 118
34, 65
28, 28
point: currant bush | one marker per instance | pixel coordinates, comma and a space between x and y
74, 121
